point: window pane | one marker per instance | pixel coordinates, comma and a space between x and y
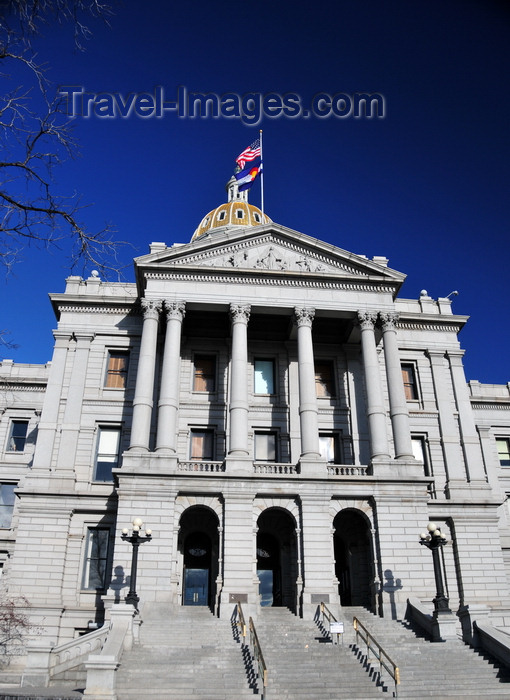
264, 377
7, 498
117, 370
205, 373
107, 453
418, 451
17, 436
324, 384
201, 444
504, 451
97, 559
408, 377
265, 447
327, 448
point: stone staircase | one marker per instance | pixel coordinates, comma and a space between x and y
184, 653
432, 670
303, 663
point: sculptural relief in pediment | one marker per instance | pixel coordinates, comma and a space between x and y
269, 256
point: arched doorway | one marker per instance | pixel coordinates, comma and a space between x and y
198, 544
277, 567
353, 558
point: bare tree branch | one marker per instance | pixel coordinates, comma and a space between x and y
36, 137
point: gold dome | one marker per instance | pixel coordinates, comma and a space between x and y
231, 214
236, 212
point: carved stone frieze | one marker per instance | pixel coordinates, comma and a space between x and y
268, 253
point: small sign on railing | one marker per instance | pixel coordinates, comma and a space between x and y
338, 629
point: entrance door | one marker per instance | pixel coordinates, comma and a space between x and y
277, 559
196, 586
197, 569
354, 564
268, 570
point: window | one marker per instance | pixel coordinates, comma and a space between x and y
420, 452
265, 447
116, 374
264, 377
503, 445
204, 378
328, 447
107, 453
409, 379
240, 214
96, 559
17, 436
324, 379
202, 444
222, 215
6, 504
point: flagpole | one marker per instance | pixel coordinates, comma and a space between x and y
261, 179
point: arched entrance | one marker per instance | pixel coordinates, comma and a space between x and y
198, 544
277, 567
353, 558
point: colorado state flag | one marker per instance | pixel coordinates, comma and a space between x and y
246, 178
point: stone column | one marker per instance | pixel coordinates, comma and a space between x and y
170, 377
470, 440
376, 411
72, 415
238, 408
143, 401
450, 439
308, 411
398, 404
50, 412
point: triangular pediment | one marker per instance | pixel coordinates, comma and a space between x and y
270, 249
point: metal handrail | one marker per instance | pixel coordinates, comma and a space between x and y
241, 622
326, 613
259, 658
374, 646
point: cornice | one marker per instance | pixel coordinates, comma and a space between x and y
14, 386
490, 404
274, 278
429, 325
102, 307
105, 403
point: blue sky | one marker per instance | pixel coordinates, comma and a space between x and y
427, 186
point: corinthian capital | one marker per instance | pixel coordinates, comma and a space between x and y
175, 309
304, 316
151, 308
389, 320
367, 319
240, 313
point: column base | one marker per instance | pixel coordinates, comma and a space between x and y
238, 464
312, 466
400, 468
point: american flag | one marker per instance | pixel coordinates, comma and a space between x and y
248, 154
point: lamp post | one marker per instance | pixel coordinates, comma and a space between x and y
434, 540
136, 540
